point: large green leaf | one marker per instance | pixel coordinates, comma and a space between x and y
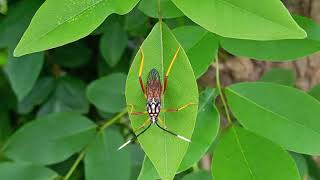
68, 96
287, 116
23, 72
278, 49
245, 19
200, 45
20, 171
281, 76
50, 139
107, 93
102, 159
243, 155
205, 131
164, 150
27, 68
59, 22
113, 44
151, 8
315, 92
148, 171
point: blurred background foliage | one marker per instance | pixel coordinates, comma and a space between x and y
88, 77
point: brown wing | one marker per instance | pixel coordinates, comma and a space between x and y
154, 86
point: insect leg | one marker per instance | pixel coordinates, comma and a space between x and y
172, 133
140, 73
143, 125
135, 113
178, 109
135, 138
169, 69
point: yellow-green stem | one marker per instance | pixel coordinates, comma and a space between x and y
219, 87
113, 120
75, 165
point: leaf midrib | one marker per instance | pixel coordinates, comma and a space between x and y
274, 113
242, 152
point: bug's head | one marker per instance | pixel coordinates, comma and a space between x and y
153, 108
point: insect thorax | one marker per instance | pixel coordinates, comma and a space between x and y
153, 109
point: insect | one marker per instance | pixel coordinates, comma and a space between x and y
153, 91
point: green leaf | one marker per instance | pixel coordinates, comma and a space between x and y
200, 45
103, 160
302, 165
136, 23
107, 93
315, 92
73, 20
137, 156
164, 150
50, 139
148, 171
40, 92
277, 112
113, 44
20, 171
68, 96
167, 8
200, 175
276, 50
245, 19
205, 131
243, 155
72, 55
281, 76
22, 70
26, 68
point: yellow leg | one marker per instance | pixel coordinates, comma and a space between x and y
169, 69
140, 72
135, 113
143, 125
180, 108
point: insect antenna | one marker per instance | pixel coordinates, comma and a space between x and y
134, 138
174, 134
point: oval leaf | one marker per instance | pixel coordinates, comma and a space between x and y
50, 139
200, 45
278, 50
113, 43
151, 8
107, 93
68, 96
283, 114
164, 150
205, 131
103, 160
245, 19
19, 171
74, 20
243, 155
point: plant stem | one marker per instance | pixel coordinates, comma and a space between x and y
75, 165
219, 87
113, 120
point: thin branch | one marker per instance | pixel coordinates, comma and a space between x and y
219, 87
